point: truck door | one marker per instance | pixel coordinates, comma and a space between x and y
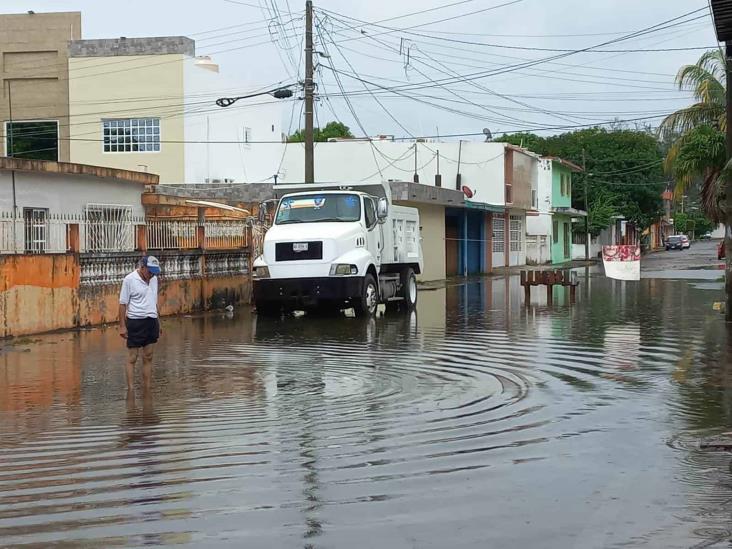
373, 234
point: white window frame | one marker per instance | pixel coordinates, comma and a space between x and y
516, 228
58, 135
160, 135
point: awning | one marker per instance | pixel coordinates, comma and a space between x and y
570, 211
484, 207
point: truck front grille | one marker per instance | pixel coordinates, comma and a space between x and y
286, 251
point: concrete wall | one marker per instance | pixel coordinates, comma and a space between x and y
481, 164
432, 228
34, 59
41, 293
231, 158
67, 194
130, 86
524, 178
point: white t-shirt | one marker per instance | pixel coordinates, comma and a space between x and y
140, 297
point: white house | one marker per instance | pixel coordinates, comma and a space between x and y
38, 199
225, 145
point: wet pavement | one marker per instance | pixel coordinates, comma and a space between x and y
474, 422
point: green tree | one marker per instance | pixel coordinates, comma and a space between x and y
331, 130
624, 174
696, 134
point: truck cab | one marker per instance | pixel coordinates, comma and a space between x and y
338, 247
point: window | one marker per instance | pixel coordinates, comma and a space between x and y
319, 208
36, 140
562, 185
35, 222
109, 228
516, 223
129, 135
555, 231
509, 193
534, 199
499, 234
369, 212
569, 184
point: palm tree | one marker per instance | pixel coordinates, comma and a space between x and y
697, 152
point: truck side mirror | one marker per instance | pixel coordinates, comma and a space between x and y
382, 209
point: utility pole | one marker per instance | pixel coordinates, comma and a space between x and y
728, 185
10, 146
309, 85
587, 211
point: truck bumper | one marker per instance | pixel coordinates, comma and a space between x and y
307, 291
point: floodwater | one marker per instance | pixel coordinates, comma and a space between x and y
476, 422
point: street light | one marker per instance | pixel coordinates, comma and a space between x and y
279, 93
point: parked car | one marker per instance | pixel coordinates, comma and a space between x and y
706, 236
720, 251
685, 242
674, 242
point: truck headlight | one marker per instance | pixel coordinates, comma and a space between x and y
343, 269
261, 272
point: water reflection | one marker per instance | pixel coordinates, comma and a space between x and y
475, 421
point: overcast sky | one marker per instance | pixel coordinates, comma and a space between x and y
583, 88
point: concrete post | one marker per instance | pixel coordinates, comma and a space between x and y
73, 238
141, 237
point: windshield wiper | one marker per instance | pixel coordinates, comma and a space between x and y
330, 220
286, 221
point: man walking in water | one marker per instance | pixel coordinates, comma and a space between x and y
139, 315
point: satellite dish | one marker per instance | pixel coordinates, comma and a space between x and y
488, 134
468, 192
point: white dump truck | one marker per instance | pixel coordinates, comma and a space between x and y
336, 247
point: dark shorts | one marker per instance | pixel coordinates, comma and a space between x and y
142, 332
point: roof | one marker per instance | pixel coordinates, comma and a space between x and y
69, 168
722, 13
566, 163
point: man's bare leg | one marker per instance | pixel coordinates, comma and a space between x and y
132, 355
147, 359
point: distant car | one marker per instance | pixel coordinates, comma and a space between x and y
720, 251
685, 242
674, 243
706, 236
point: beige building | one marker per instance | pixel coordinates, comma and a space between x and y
127, 103
34, 78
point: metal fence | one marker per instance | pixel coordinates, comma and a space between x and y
106, 229
35, 231
177, 234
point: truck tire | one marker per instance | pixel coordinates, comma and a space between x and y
409, 288
366, 304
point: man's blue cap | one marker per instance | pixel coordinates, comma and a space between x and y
152, 264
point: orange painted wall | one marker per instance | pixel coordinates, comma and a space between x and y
42, 293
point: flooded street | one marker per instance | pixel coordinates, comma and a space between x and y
474, 422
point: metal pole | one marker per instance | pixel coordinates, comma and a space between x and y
587, 211
11, 152
728, 187
309, 145
416, 175
458, 177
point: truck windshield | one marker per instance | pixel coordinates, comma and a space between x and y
314, 208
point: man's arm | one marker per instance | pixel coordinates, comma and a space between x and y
122, 323
124, 299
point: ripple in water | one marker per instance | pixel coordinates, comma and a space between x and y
385, 433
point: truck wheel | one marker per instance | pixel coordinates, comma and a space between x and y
268, 309
366, 304
409, 288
